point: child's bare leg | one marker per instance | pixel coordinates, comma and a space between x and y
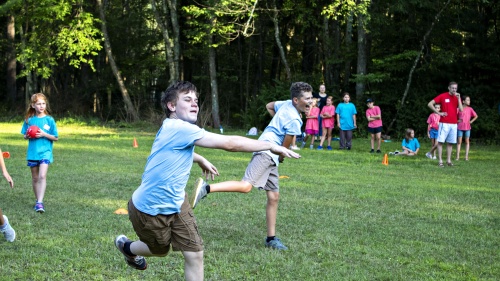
379, 140
329, 136
39, 180
323, 136
467, 148
313, 138
459, 143
231, 186
271, 212
372, 141
2, 222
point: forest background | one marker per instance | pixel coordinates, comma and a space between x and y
109, 60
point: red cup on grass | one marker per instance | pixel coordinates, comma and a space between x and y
32, 130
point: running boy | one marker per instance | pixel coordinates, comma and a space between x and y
262, 172
159, 210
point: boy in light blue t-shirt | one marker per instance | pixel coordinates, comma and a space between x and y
159, 209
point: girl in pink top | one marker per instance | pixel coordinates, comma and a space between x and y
432, 130
464, 126
327, 113
312, 125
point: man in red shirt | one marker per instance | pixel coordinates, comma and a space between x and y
449, 101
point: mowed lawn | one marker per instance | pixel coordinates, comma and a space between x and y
343, 215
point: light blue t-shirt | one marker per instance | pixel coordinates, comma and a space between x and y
166, 174
40, 148
412, 145
345, 112
286, 121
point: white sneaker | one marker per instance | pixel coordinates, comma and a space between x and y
428, 155
294, 148
434, 158
8, 231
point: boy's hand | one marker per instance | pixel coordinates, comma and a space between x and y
209, 171
284, 152
9, 179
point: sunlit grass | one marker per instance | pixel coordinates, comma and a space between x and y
343, 214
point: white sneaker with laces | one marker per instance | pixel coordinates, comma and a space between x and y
428, 155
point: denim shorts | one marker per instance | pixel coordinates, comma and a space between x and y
463, 133
34, 163
433, 133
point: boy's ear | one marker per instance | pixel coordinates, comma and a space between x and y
171, 106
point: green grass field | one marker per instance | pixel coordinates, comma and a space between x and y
343, 215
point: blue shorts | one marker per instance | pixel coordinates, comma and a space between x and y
34, 163
433, 133
463, 133
375, 130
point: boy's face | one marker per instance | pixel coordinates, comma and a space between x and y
303, 102
347, 98
186, 107
437, 107
370, 104
328, 101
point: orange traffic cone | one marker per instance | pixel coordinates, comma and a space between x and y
386, 160
135, 143
6, 154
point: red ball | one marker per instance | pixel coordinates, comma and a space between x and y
32, 130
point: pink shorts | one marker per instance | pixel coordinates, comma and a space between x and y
312, 132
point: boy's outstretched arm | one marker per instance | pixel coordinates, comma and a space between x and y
242, 144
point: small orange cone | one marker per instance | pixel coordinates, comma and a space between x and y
6, 154
386, 160
135, 143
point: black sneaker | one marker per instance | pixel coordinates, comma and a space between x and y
372, 151
378, 151
137, 262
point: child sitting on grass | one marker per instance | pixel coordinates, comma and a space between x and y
410, 144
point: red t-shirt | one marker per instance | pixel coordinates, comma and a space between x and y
449, 104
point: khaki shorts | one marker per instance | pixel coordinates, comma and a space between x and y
262, 172
159, 232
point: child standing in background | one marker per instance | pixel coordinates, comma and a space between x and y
374, 116
410, 143
5, 228
346, 121
432, 131
327, 114
312, 124
464, 126
39, 154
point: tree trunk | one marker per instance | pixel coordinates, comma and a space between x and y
417, 59
362, 57
280, 46
172, 5
129, 106
166, 39
213, 82
347, 52
11, 60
